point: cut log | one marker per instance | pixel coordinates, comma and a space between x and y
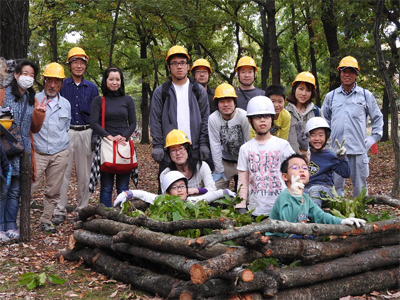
383, 199
216, 266
92, 239
352, 285
159, 226
300, 229
138, 277
304, 275
310, 251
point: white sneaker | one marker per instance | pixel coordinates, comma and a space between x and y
3, 237
13, 234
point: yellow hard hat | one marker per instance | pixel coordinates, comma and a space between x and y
225, 90
77, 52
176, 137
348, 62
6, 123
54, 70
305, 77
246, 61
176, 50
201, 63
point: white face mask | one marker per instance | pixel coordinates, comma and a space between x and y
25, 82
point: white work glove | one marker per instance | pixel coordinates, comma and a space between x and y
158, 154
121, 199
369, 141
296, 186
352, 221
230, 193
341, 150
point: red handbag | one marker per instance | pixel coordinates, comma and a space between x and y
116, 158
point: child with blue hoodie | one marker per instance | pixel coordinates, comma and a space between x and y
323, 162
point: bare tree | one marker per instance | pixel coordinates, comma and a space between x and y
14, 29
391, 95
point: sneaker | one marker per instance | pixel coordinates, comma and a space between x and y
47, 228
3, 237
13, 234
58, 219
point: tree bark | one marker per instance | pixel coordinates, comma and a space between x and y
140, 278
14, 29
295, 44
216, 266
25, 217
338, 268
311, 36
154, 240
383, 199
310, 251
394, 132
352, 285
273, 42
328, 18
300, 229
143, 220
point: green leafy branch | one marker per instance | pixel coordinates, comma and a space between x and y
32, 280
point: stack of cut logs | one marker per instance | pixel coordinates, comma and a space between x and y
144, 253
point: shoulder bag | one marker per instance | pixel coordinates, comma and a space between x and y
116, 158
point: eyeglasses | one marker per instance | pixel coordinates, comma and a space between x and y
178, 187
178, 63
297, 167
258, 117
177, 150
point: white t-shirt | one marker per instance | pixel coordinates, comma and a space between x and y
182, 108
263, 162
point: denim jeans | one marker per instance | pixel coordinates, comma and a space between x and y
107, 185
9, 206
317, 191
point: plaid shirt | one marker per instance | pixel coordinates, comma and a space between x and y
81, 97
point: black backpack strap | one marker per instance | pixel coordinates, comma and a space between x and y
244, 95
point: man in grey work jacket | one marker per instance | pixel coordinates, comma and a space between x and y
346, 109
185, 107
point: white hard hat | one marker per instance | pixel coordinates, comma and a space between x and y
260, 105
170, 178
316, 122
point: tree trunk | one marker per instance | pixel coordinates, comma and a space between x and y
14, 29
392, 98
25, 217
139, 278
338, 268
300, 229
112, 39
159, 226
352, 285
310, 251
153, 240
311, 36
328, 18
273, 42
216, 266
295, 45
266, 59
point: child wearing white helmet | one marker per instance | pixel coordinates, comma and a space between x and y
176, 184
259, 161
323, 162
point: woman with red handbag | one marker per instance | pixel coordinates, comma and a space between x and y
119, 123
